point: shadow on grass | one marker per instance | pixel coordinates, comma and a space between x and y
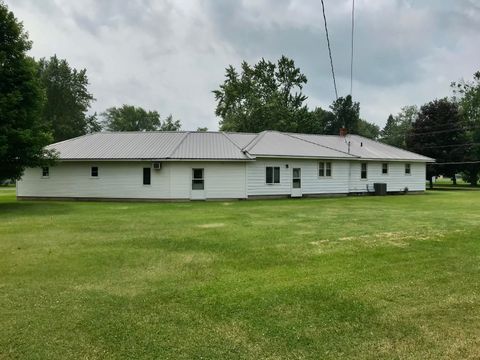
26, 209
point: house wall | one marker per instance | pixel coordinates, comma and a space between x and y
125, 180
311, 182
235, 180
396, 179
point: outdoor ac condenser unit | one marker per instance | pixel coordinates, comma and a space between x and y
157, 165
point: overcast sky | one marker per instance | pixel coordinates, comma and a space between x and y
168, 55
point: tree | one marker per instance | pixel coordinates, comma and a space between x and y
467, 95
22, 134
202, 129
397, 127
170, 125
346, 115
439, 134
131, 118
67, 99
265, 96
368, 130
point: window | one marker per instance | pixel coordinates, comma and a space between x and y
197, 179
325, 169
147, 176
94, 171
272, 175
407, 169
297, 178
45, 171
385, 168
363, 171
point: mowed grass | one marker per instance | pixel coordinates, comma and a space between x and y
354, 277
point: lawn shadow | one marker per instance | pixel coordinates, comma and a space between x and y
28, 209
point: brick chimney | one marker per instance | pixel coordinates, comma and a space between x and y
343, 131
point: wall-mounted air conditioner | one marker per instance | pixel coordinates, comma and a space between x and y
157, 165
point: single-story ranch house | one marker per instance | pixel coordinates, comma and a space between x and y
220, 165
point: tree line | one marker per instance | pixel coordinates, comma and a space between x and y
447, 130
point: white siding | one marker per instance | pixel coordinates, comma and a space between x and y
396, 179
311, 182
125, 180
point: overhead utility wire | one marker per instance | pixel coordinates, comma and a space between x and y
329, 50
442, 131
351, 59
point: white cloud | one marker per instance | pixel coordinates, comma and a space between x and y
170, 55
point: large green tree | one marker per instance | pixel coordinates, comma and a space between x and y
467, 95
132, 118
346, 115
67, 99
439, 133
22, 134
369, 130
265, 96
397, 127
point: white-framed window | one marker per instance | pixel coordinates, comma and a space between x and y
147, 176
94, 171
296, 178
325, 169
408, 169
272, 175
198, 182
45, 172
384, 168
363, 170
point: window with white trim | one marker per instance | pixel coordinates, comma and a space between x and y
363, 170
198, 182
94, 171
408, 169
45, 171
147, 176
385, 168
272, 175
325, 169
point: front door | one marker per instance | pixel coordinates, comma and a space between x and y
296, 182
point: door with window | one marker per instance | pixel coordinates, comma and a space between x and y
198, 184
296, 182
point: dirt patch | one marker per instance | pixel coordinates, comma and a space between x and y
212, 225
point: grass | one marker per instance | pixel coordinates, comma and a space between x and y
355, 277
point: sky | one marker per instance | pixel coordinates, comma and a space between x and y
168, 55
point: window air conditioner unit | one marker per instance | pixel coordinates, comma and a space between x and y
157, 165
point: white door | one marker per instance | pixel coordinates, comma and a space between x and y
198, 184
296, 182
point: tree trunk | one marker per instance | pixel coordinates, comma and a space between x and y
454, 180
431, 182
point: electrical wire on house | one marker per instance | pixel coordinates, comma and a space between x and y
351, 58
329, 50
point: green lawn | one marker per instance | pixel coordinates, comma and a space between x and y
354, 277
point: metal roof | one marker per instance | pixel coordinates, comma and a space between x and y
363, 148
158, 145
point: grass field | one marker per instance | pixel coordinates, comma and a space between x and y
355, 277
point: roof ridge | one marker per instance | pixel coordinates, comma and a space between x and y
74, 138
186, 133
311, 142
234, 144
254, 141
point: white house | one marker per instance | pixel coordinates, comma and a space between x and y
220, 165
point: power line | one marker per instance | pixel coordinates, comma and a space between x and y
442, 131
455, 162
351, 59
450, 146
329, 49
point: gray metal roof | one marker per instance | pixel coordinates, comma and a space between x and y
363, 147
224, 146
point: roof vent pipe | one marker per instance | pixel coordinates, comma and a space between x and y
349, 147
